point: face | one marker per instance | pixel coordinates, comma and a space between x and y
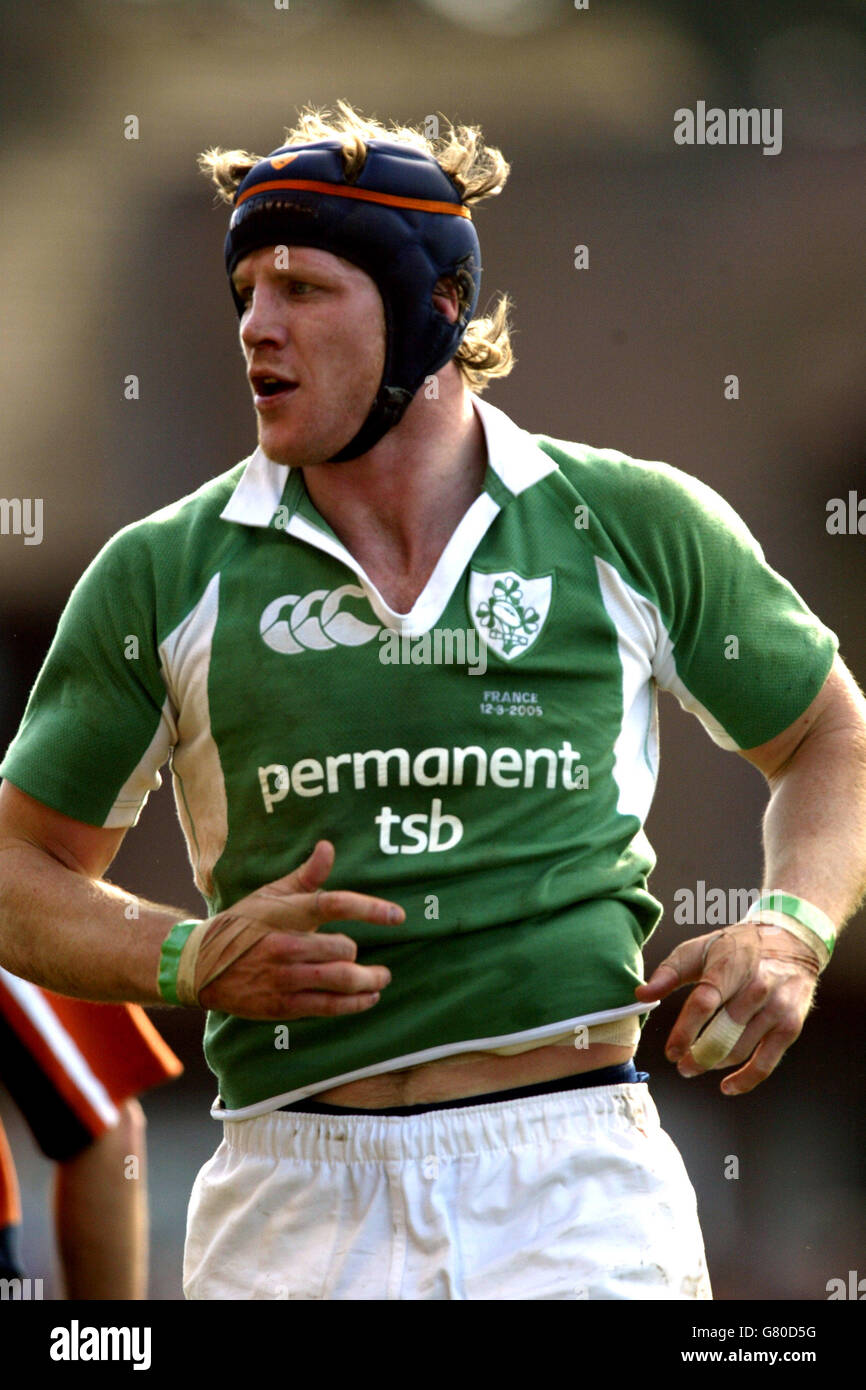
313, 336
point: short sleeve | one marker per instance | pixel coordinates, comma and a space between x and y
735, 642
99, 724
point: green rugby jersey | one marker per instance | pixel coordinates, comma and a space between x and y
487, 760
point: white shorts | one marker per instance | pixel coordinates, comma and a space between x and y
572, 1195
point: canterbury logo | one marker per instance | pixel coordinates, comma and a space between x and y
282, 161
315, 622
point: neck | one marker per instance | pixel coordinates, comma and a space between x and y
404, 498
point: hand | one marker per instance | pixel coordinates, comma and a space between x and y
292, 972
763, 976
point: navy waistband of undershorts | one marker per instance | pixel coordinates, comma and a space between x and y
603, 1076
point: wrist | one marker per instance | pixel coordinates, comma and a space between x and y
799, 917
177, 962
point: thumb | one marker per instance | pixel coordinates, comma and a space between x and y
683, 966
661, 982
306, 878
316, 869
313, 872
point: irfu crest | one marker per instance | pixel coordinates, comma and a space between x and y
508, 610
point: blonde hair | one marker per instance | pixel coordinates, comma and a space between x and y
476, 170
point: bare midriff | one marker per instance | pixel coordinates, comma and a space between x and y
473, 1074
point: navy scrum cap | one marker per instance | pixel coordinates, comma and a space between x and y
400, 220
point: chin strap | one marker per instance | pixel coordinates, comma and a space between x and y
386, 411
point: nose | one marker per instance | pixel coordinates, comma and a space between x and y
264, 320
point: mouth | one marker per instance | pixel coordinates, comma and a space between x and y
269, 390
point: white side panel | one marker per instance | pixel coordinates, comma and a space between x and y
665, 672
646, 653
636, 751
145, 777
199, 785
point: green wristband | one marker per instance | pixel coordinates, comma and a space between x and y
811, 917
169, 959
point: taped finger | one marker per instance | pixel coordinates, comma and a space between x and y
716, 1041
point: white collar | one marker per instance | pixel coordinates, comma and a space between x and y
513, 457
511, 453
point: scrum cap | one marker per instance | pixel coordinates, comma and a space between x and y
401, 220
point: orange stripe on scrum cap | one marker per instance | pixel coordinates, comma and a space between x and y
365, 194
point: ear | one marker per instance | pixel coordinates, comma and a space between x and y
446, 300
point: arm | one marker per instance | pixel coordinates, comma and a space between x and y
815, 848
815, 823
61, 925
64, 927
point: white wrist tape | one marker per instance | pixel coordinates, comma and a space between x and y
185, 986
822, 944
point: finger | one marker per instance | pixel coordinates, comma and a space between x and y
311, 1005
786, 1011
305, 912
717, 1040
764, 1060
303, 947
704, 1000
340, 904
756, 1029
782, 1021
300, 948
683, 966
286, 906
319, 1005
309, 875
770, 994
730, 982
336, 977
270, 988
306, 878
663, 981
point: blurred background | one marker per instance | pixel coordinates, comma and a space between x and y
703, 262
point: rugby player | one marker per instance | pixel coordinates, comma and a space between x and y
426, 889
75, 1070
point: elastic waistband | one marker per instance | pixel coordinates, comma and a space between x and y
602, 1076
452, 1131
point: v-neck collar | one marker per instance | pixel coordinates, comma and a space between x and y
272, 495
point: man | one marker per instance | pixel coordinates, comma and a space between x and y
75, 1069
437, 1100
